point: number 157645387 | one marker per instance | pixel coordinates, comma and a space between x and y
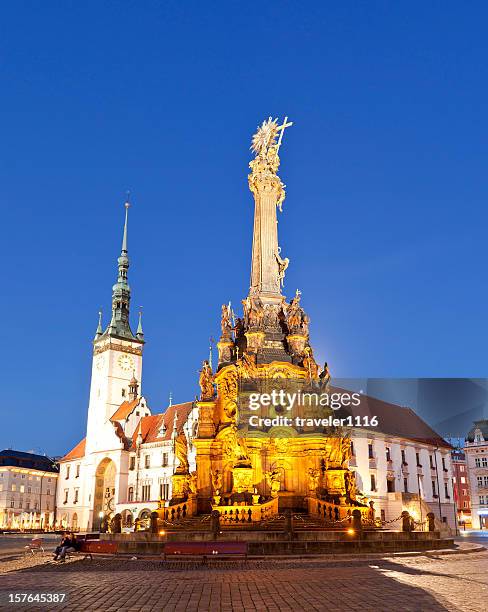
14, 598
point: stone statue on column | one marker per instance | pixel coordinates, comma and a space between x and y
206, 382
181, 452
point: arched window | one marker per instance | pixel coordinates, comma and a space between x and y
130, 496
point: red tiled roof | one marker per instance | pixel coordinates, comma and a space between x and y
393, 420
151, 425
124, 410
77, 452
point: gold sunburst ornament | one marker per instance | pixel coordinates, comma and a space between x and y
265, 136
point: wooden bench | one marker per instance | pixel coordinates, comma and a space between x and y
88, 548
34, 546
205, 550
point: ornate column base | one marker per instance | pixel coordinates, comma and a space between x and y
180, 483
335, 482
243, 479
255, 340
296, 343
225, 346
206, 425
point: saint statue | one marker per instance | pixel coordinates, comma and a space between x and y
273, 480
253, 312
345, 450
293, 312
296, 318
206, 382
238, 328
192, 483
249, 367
235, 447
324, 376
225, 321
181, 452
350, 482
334, 452
310, 364
216, 481
282, 266
313, 478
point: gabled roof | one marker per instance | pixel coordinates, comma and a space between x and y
124, 410
151, 425
75, 453
393, 420
482, 426
13, 458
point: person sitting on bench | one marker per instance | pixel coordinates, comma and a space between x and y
72, 546
65, 543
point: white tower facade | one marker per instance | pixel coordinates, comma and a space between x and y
117, 358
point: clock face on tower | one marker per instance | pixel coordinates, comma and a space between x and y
100, 362
126, 362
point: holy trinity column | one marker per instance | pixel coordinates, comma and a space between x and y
267, 266
261, 471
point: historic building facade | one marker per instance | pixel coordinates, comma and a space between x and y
461, 486
27, 490
125, 462
476, 450
400, 473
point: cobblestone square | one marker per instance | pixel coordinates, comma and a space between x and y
428, 582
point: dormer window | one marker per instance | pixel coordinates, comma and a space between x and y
162, 431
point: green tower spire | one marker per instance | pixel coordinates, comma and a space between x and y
139, 332
99, 331
119, 324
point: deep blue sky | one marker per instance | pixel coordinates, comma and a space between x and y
386, 169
